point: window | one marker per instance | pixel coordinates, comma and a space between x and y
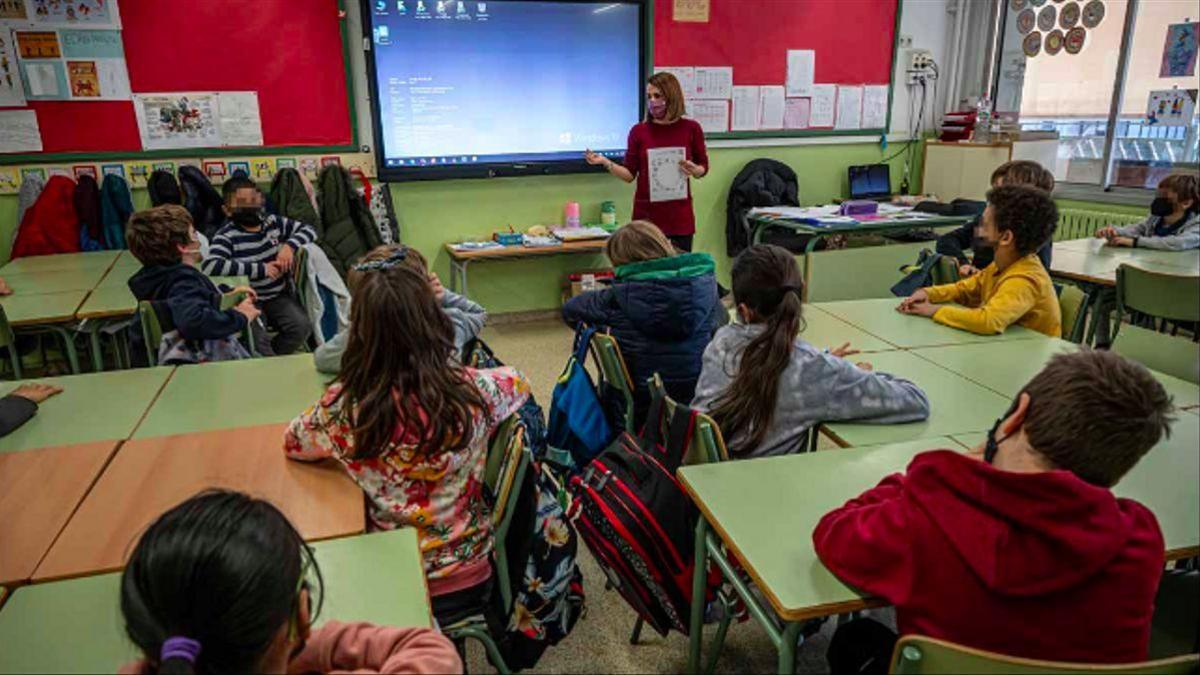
1075, 94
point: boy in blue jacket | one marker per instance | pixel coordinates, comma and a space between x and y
163, 240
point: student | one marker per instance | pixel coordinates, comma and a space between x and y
1015, 288
163, 239
262, 247
1174, 222
1020, 547
956, 242
466, 317
21, 404
223, 583
411, 427
766, 387
662, 308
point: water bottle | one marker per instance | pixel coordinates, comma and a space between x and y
983, 120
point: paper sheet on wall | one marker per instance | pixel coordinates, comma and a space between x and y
690, 10
745, 109
239, 123
19, 131
801, 64
796, 112
713, 116
178, 120
874, 106
770, 107
849, 108
685, 75
668, 182
73, 65
62, 13
12, 92
714, 82
823, 98
1171, 107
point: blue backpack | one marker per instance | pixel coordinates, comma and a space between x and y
578, 424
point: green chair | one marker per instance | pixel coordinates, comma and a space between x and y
614, 371
1157, 295
1073, 303
918, 655
152, 321
1175, 356
8, 340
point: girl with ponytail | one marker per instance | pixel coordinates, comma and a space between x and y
766, 386
223, 583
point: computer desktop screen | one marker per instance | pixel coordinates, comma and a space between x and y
870, 181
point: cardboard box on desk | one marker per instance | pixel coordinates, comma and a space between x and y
582, 281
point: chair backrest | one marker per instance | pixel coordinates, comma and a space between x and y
1072, 301
9, 339
916, 654
1163, 296
1175, 356
707, 445
511, 458
152, 330
615, 371
498, 451
300, 275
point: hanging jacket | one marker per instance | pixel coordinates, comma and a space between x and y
346, 230
31, 188
50, 225
291, 199
1040, 566
762, 182
201, 200
320, 275
662, 313
87, 208
163, 188
116, 205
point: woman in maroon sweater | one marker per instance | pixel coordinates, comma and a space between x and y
664, 127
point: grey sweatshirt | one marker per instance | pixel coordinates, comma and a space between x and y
1185, 238
815, 387
466, 316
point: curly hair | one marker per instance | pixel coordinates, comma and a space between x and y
155, 235
1024, 172
1185, 186
1028, 212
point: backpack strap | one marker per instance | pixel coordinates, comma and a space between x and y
583, 341
652, 427
683, 424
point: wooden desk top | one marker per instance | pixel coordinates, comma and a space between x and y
149, 476
39, 491
509, 252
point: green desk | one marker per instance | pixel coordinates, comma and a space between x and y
1006, 367
93, 407
763, 221
747, 504
880, 318
54, 281
97, 260
42, 309
231, 394
106, 302
76, 626
824, 330
957, 404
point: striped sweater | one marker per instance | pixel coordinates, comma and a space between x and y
235, 252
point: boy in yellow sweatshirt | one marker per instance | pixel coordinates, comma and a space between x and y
1015, 288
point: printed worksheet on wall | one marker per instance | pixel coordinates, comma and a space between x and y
713, 116
770, 107
823, 98
801, 65
745, 108
686, 77
849, 108
874, 106
714, 82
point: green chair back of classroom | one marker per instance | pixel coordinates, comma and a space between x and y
857, 273
230, 300
300, 276
708, 445
615, 371
1162, 296
8, 340
1174, 356
918, 655
1072, 301
152, 331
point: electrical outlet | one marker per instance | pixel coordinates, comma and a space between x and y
919, 59
905, 42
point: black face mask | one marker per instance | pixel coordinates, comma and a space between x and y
1161, 206
247, 216
981, 244
993, 444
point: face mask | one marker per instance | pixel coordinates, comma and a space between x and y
993, 444
658, 109
979, 244
247, 216
1161, 206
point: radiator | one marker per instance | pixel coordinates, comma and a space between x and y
1079, 224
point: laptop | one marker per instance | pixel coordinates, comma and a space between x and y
871, 181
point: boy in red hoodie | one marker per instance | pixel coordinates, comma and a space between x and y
1019, 547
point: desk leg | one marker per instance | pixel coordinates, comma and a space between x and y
97, 350
808, 251
68, 341
787, 647
696, 626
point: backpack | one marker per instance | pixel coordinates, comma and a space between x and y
201, 200
637, 521
930, 270
477, 354
163, 188
579, 426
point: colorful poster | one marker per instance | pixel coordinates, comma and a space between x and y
9, 181
12, 92
1171, 107
38, 44
285, 163
177, 120
1180, 49
74, 13
113, 170
81, 75
239, 167
13, 10
73, 65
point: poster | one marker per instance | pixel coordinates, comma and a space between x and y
690, 10
1171, 107
73, 65
770, 107
745, 109
177, 120
13, 10
19, 131
849, 108
63, 13
12, 92
821, 111
1180, 49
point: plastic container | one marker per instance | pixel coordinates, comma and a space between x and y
608, 213
571, 214
983, 121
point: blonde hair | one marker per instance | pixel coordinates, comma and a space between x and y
672, 93
638, 241
412, 259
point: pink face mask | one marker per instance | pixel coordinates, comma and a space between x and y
658, 108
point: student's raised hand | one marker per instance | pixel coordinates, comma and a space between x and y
285, 257
36, 391
439, 291
1106, 232
248, 309
274, 271
4, 288
1126, 242
844, 351
965, 271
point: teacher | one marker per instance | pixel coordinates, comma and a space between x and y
664, 128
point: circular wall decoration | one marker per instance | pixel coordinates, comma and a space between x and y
1026, 21
1037, 3
1047, 17
1054, 42
1075, 39
1093, 13
1032, 44
1016, 5
1069, 16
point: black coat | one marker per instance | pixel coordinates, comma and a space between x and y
762, 182
193, 300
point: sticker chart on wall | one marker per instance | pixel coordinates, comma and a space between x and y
798, 75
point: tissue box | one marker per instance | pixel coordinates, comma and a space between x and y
859, 207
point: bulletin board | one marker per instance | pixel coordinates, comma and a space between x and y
855, 42
294, 54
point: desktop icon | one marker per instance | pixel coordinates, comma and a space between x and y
400, 7
481, 8
441, 6
381, 6
420, 6
462, 7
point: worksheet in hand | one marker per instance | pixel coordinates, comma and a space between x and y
668, 182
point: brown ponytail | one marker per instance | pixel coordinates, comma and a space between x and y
767, 281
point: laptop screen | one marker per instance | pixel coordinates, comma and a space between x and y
870, 181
